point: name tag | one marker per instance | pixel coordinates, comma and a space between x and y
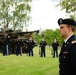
65, 52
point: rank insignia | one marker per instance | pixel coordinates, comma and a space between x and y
73, 42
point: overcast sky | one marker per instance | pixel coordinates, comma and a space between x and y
45, 15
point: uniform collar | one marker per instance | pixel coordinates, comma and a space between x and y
68, 38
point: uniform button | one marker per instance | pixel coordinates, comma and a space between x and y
65, 46
64, 56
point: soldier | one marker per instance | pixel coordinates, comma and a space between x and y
19, 44
6, 45
42, 45
31, 45
67, 56
55, 48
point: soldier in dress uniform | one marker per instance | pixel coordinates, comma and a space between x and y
31, 45
6, 45
19, 44
67, 56
55, 45
42, 45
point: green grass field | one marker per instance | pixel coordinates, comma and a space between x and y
25, 65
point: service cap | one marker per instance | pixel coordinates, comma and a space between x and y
67, 21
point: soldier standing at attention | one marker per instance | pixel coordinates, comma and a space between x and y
67, 56
6, 44
18, 46
42, 45
31, 45
55, 48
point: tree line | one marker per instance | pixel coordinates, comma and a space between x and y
49, 36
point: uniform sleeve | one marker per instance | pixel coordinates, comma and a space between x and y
57, 44
45, 43
73, 56
33, 43
40, 44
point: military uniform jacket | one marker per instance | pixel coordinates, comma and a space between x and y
31, 44
67, 57
19, 43
6, 40
43, 44
55, 45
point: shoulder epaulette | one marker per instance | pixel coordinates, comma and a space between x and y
73, 42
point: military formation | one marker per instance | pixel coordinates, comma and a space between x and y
30, 44
16, 42
20, 43
18, 47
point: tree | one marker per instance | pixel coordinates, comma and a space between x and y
14, 13
69, 6
56, 34
37, 37
48, 35
4, 12
21, 16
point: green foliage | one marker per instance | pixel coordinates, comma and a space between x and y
37, 38
14, 13
49, 35
69, 6
56, 34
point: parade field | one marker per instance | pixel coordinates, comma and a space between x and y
25, 65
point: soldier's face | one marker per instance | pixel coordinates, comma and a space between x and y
30, 38
64, 30
42, 39
54, 40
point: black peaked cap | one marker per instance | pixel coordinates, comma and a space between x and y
67, 21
